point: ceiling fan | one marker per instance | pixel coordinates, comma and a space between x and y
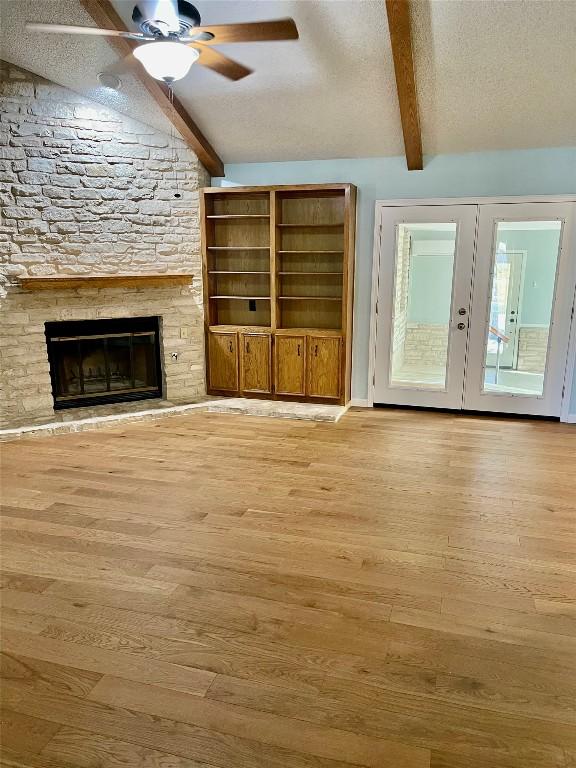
173, 39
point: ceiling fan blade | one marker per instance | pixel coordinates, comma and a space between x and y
65, 29
253, 32
213, 59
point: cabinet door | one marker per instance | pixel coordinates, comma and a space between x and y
223, 361
255, 362
324, 366
290, 351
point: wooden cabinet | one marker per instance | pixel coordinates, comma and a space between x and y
256, 362
223, 361
278, 274
290, 361
324, 366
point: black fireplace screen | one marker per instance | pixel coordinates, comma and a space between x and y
104, 361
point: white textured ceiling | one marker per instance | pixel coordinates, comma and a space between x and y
496, 74
491, 74
70, 60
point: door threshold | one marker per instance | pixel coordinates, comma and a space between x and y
463, 412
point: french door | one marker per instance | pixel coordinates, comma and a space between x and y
474, 306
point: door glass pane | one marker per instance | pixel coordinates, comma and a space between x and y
522, 295
422, 304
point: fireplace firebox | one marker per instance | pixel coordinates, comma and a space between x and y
93, 362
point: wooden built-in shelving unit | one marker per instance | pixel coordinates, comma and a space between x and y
278, 275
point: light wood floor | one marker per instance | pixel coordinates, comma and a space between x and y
394, 591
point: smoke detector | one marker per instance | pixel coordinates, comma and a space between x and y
107, 80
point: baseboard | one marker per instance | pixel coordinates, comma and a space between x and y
358, 402
570, 419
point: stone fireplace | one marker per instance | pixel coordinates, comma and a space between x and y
85, 191
104, 361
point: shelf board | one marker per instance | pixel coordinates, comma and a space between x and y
239, 216
244, 298
290, 330
311, 273
316, 251
234, 272
238, 247
48, 282
310, 298
246, 328
338, 225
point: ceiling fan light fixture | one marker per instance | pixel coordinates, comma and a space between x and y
166, 60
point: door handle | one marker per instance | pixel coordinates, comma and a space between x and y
231, 350
298, 350
248, 347
316, 351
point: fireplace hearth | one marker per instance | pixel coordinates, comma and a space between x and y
93, 362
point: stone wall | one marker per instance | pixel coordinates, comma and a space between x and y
426, 344
532, 348
401, 288
85, 190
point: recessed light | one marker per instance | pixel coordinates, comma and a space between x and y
108, 80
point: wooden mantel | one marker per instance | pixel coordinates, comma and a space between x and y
51, 282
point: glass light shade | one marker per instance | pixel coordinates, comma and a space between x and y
166, 60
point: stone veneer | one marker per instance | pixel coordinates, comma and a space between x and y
426, 344
85, 190
532, 348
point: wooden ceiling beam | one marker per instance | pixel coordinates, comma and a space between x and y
401, 38
106, 17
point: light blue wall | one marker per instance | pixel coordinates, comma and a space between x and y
541, 249
430, 289
522, 172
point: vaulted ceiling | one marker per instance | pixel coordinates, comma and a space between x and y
490, 75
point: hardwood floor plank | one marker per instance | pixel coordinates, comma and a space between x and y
41, 562
159, 733
23, 582
18, 729
104, 661
411, 717
322, 742
551, 624
221, 591
82, 749
35, 676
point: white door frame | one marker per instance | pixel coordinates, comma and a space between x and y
440, 201
463, 218
570, 374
